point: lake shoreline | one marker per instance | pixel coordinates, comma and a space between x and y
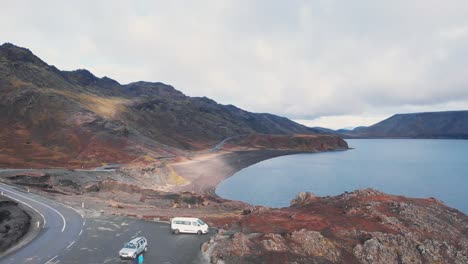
206, 172
405, 167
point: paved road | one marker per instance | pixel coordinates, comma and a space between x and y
220, 145
62, 227
105, 236
69, 238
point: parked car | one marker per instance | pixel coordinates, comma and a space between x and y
134, 248
188, 225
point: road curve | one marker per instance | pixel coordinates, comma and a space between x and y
62, 226
220, 145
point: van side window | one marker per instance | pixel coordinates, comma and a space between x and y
194, 224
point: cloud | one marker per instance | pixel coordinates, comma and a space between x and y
342, 121
300, 59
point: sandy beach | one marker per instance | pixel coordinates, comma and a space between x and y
206, 171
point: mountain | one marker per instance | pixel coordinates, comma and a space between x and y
450, 124
324, 130
50, 117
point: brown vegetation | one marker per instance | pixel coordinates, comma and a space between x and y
364, 226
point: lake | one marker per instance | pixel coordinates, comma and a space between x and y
411, 167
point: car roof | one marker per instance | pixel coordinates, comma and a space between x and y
185, 218
136, 239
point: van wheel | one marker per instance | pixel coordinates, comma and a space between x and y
176, 231
199, 232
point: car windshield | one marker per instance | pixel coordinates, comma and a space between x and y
130, 245
200, 222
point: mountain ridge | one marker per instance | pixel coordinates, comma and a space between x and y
73, 118
424, 125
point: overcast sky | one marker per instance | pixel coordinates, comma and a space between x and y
330, 63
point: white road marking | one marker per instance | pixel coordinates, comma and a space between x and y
11, 190
50, 260
53, 209
81, 231
160, 221
101, 228
71, 244
30, 206
58, 203
66, 205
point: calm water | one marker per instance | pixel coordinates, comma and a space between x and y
416, 168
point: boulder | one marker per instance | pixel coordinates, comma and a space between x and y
303, 198
93, 187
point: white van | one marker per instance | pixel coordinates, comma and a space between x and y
188, 225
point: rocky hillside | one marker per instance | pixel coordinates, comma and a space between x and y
309, 143
364, 226
51, 118
14, 223
451, 124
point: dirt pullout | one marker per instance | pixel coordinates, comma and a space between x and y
14, 223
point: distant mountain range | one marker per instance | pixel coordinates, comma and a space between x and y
50, 117
449, 124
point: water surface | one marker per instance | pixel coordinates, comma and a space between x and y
410, 167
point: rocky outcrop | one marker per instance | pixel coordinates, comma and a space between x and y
303, 198
365, 226
407, 248
306, 143
313, 243
301, 246
91, 187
